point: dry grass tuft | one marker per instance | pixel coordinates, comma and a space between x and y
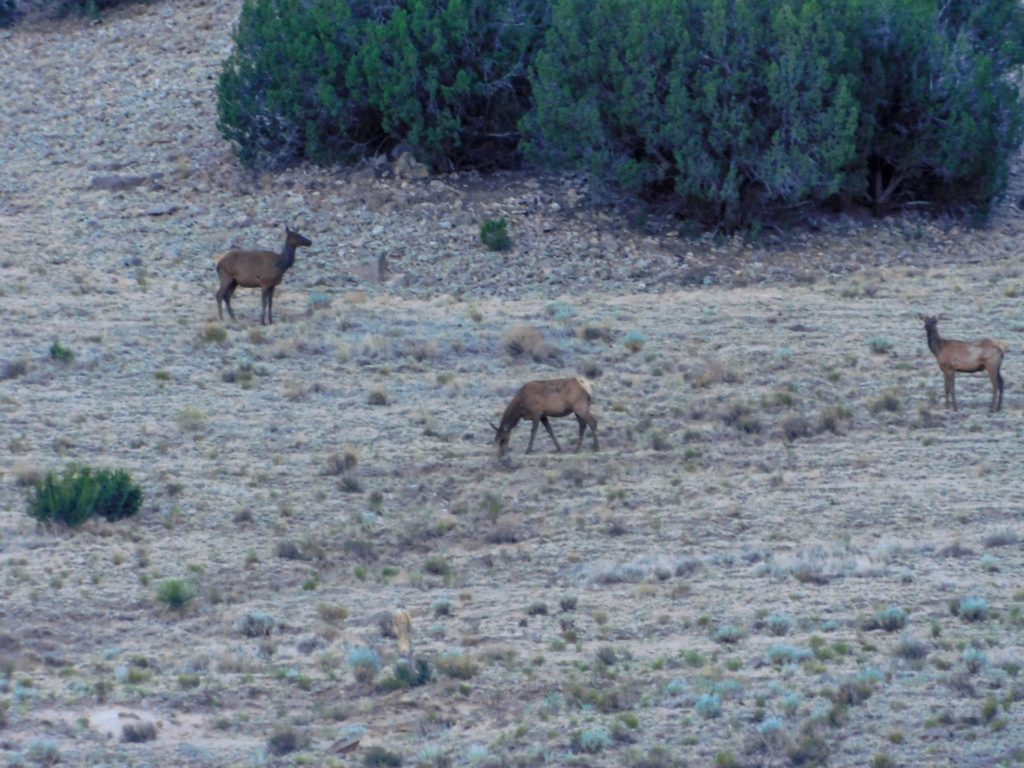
527, 341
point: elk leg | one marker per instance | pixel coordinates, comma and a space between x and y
266, 313
950, 391
533, 434
593, 431
997, 390
583, 429
227, 293
547, 426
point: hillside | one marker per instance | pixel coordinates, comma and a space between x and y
786, 551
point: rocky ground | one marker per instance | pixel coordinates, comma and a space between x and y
786, 551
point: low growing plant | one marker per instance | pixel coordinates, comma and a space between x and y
82, 492
494, 235
176, 594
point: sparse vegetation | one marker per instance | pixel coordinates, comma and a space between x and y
554, 609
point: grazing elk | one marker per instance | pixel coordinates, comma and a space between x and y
966, 357
255, 269
537, 400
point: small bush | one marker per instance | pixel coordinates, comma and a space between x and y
709, 705
591, 741
891, 619
779, 624
12, 369
781, 653
136, 733
494, 235
285, 740
82, 492
527, 341
971, 609
634, 341
880, 346
191, 420
974, 659
406, 676
176, 594
889, 401
61, 353
379, 757
728, 634
255, 624
457, 664
365, 663
912, 649
833, 418
214, 333
43, 752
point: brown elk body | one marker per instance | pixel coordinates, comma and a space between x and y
256, 269
966, 357
538, 400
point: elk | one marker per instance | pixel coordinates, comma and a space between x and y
255, 269
966, 357
537, 400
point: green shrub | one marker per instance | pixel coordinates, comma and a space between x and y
334, 80
939, 117
731, 112
59, 352
379, 757
81, 492
8, 13
406, 676
719, 110
176, 594
494, 235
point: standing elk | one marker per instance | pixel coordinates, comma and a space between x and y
256, 269
966, 357
537, 400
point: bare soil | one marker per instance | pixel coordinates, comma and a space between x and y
786, 552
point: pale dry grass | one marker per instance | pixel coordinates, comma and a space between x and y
698, 587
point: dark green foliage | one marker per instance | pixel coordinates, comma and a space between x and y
732, 113
406, 676
723, 110
8, 13
939, 117
494, 235
379, 757
735, 111
82, 492
333, 80
59, 352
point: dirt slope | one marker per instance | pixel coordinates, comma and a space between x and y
767, 563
